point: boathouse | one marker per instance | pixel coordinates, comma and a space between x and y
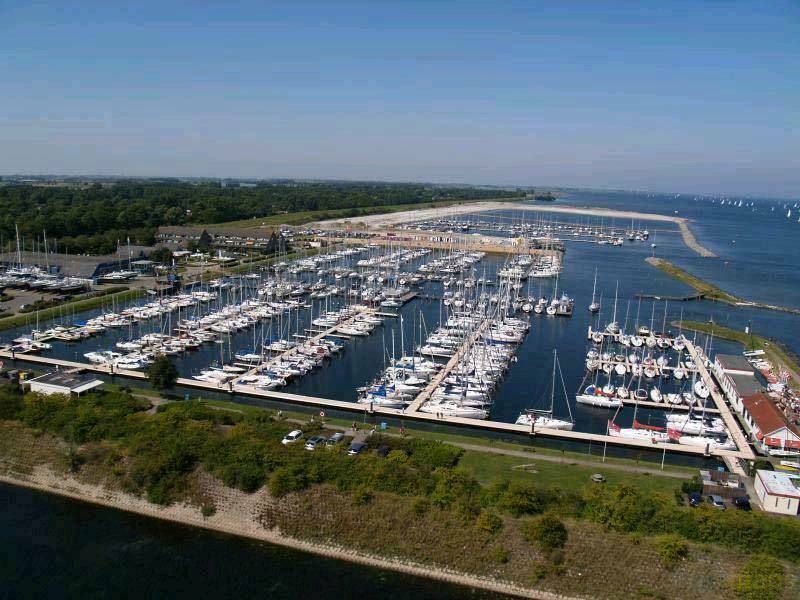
63, 382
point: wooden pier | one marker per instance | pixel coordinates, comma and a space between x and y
737, 435
436, 380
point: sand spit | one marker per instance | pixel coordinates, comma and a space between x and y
380, 221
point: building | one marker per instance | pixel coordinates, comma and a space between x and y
778, 492
63, 382
772, 430
736, 378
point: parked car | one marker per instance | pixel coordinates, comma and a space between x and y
335, 439
716, 501
741, 503
356, 448
315, 441
695, 499
292, 437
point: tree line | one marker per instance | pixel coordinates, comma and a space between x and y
94, 219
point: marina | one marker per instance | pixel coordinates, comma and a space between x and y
459, 318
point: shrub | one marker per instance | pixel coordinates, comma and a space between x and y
420, 506
524, 499
10, 402
761, 578
490, 522
499, 555
208, 510
285, 480
362, 495
546, 531
671, 548
692, 485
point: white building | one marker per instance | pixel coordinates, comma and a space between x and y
778, 492
63, 382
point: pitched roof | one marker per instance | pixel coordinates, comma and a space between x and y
766, 414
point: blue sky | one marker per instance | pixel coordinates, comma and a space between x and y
682, 96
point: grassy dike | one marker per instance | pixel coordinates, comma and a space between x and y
69, 308
708, 290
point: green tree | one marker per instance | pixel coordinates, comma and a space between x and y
546, 531
161, 255
162, 373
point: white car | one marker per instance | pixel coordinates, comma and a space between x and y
292, 437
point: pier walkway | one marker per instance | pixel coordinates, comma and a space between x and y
435, 381
736, 433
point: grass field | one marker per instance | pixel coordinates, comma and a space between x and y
491, 468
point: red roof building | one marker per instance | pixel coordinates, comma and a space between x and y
769, 425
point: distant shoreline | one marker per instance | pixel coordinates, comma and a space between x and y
234, 522
381, 220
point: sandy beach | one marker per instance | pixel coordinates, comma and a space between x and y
382, 221
236, 514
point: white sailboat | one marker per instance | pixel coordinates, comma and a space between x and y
544, 418
595, 305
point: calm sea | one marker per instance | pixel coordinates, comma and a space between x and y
57, 548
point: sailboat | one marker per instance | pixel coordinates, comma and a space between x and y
595, 305
613, 327
544, 418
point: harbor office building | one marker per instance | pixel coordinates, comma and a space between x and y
778, 492
736, 378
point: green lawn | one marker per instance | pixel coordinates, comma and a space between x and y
490, 468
